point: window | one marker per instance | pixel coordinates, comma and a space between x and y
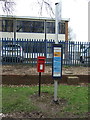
30, 26
61, 28
7, 25
50, 27
19, 26
37, 26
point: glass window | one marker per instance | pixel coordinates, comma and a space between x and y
7, 25
19, 26
61, 28
30, 26
26, 26
37, 26
50, 27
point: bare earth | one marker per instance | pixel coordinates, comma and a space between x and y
29, 70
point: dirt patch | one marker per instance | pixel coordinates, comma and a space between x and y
29, 70
47, 106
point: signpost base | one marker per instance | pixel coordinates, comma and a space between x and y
56, 102
55, 92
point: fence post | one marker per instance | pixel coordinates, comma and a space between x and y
66, 52
45, 49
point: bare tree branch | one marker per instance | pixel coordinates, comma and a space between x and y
48, 7
7, 6
41, 6
71, 34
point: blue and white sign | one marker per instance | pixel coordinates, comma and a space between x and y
57, 61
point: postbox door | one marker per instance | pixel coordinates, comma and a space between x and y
41, 67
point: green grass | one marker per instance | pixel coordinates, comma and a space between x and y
77, 98
0, 98
17, 99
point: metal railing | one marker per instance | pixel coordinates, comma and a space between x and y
26, 51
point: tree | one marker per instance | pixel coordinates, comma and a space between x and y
71, 35
47, 4
7, 6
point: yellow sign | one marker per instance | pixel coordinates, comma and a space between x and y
57, 54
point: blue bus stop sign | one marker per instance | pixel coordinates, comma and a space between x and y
57, 61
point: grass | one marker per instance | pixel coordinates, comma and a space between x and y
77, 98
17, 99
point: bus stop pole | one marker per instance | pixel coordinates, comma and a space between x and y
56, 42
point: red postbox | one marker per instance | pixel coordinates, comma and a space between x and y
41, 63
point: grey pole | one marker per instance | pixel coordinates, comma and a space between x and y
56, 23
56, 42
14, 29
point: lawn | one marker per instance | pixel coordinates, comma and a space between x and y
73, 101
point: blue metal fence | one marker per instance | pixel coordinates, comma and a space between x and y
28, 50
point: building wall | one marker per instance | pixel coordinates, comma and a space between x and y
31, 36
66, 30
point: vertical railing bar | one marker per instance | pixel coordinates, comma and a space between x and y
80, 50
64, 53
12, 51
27, 51
24, 49
29, 41
76, 53
21, 44
35, 51
39, 46
32, 52
5, 50
69, 54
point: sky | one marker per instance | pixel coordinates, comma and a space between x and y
76, 10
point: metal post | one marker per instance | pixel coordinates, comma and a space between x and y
45, 31
39, 84
56, 23
56, 42
55, 90
14, 29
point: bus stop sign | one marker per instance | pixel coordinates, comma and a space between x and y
57, 61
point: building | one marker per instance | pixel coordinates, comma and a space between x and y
32, 28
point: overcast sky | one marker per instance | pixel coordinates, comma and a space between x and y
76, 10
